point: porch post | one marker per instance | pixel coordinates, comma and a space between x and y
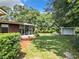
21, 29
24, 29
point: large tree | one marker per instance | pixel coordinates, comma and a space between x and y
20, 13
65, 12
25, 14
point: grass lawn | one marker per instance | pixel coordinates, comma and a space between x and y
49, 46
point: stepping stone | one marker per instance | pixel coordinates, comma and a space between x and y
68, 55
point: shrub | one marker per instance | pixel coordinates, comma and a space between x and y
9, 45
77, 30
50, 30
36, 33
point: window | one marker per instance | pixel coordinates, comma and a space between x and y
4, 28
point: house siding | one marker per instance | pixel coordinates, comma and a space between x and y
13, 28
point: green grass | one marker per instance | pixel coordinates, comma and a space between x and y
47, 43
34, 53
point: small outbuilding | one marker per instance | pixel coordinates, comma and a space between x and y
67, 30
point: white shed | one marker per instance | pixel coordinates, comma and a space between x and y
67, 30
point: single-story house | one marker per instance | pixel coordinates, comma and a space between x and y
11, 26
67, 30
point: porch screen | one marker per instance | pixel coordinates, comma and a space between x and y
25, 30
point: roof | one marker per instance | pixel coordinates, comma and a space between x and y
28, 24
67, 27
15, 23
2, 12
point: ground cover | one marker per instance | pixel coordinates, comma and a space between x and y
49, 46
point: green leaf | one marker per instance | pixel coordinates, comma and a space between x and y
69, 1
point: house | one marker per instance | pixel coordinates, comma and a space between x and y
11, 26
67, 30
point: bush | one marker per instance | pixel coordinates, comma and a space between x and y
77, 30
9, 45
50, 30
36, 34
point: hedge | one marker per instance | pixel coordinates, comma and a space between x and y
9, 45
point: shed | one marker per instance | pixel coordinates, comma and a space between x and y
12, 26
67, 30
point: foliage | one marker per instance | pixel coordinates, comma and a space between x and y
65, 12
49, 6
77, 30
25, 14
9, 14
9, 45
36, 33
44, 23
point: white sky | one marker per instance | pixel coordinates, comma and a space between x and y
9, 3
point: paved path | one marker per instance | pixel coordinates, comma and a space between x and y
24, 44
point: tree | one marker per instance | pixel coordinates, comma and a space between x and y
44, 22
65, 12
9, 12
21, 14
25, 14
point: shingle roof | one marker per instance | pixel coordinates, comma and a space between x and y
16, 23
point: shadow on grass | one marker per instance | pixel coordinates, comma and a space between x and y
22, 55
57, 44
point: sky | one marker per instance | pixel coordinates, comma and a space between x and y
9, 3
36, 4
